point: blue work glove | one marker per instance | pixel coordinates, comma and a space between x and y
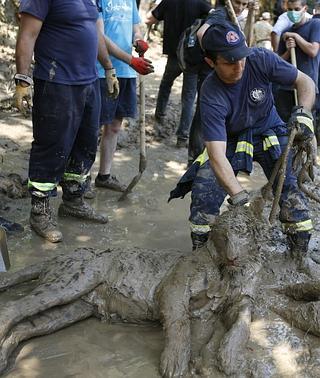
302, 120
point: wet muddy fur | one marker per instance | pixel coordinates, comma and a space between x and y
210, 303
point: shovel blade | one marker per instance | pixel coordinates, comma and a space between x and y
4, 255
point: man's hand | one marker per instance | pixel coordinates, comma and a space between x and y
254, 4
140, 46
141, 65
239, 199
112, 84
22, 98
290, 40
302, 120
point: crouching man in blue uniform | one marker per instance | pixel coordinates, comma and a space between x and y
241, 125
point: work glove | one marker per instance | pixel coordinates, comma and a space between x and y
22, 99
302, 120
112, 84
140, 46
141, 65
239, 199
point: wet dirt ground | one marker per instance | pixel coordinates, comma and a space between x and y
92, 348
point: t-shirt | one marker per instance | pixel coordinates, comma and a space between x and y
227, 110
119, 16
310, 31
67, 46
177, 16
284, 23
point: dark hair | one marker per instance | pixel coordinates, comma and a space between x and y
213, 55
303, 2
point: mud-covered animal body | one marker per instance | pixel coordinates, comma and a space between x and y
215, 304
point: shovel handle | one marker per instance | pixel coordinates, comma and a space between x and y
294, 63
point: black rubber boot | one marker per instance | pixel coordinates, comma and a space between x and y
10, 227
73, 204
41, 219
199, 240
298, 244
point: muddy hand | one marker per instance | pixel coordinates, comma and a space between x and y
175, 359
22, 99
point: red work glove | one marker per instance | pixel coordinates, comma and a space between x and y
141, 65
141, 46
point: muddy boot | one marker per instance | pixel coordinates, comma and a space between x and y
298, 244
75, 206
199, 240
41, 219
89, 191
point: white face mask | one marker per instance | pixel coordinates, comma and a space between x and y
295, 16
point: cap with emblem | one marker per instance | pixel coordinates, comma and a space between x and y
226, 40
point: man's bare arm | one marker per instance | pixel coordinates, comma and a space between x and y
222, 167
29, 30
306, 90
103, 54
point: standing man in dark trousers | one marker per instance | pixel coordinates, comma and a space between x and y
64, 38
177, 16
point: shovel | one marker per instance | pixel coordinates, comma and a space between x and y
4, 256
143, 159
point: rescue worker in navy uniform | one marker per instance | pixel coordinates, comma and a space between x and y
65, 39
241, 125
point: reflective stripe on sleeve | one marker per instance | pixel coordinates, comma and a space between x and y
202, 158
270, 141
243, 146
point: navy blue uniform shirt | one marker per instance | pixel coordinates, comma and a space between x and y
310, 31
229, 109
67, 46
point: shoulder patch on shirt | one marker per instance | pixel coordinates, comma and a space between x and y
257, 94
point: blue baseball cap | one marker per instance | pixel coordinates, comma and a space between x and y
226, 40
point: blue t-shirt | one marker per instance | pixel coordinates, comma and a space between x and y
67, 46
310, 31
229, 109
119, 16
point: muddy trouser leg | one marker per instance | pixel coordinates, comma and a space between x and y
206, 198
196, 144
81, 158
188, 95
294, 209
172, 71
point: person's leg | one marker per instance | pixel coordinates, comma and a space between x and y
82, 157
108, 145
206, 198
188, 95
172, 71
125, 106
56, 113
294, 209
